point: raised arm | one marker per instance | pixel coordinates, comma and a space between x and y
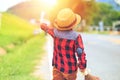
47, 29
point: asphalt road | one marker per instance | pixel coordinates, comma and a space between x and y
103, 55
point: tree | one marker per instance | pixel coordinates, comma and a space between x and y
106, 13
81, 7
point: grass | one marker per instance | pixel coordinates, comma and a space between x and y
15, 26
19, 61
14, 29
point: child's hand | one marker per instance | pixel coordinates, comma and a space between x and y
84, 71
43, 25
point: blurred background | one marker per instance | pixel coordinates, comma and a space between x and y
22, 42
94, 13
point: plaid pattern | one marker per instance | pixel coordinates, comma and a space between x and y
64, 57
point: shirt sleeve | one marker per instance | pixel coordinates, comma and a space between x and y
80, 53
48, 30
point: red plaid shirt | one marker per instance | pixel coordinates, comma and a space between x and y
64, 57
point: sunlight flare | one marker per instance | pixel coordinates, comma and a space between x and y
49, 3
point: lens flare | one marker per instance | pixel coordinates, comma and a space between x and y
49, 2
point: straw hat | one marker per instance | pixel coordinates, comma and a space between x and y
66, 19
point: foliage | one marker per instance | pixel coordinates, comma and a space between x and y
81, 7
14, 30
18, 65
106, 13
15, 26
19, 62
91, 11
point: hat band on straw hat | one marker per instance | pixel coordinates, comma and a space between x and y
68, 25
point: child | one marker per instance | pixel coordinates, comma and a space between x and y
68, 46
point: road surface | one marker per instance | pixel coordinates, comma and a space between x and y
103, 55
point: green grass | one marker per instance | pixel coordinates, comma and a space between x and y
15, 26
14, 29
19, 61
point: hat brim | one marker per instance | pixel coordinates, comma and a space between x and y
78, 19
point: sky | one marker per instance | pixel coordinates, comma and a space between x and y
5, 4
